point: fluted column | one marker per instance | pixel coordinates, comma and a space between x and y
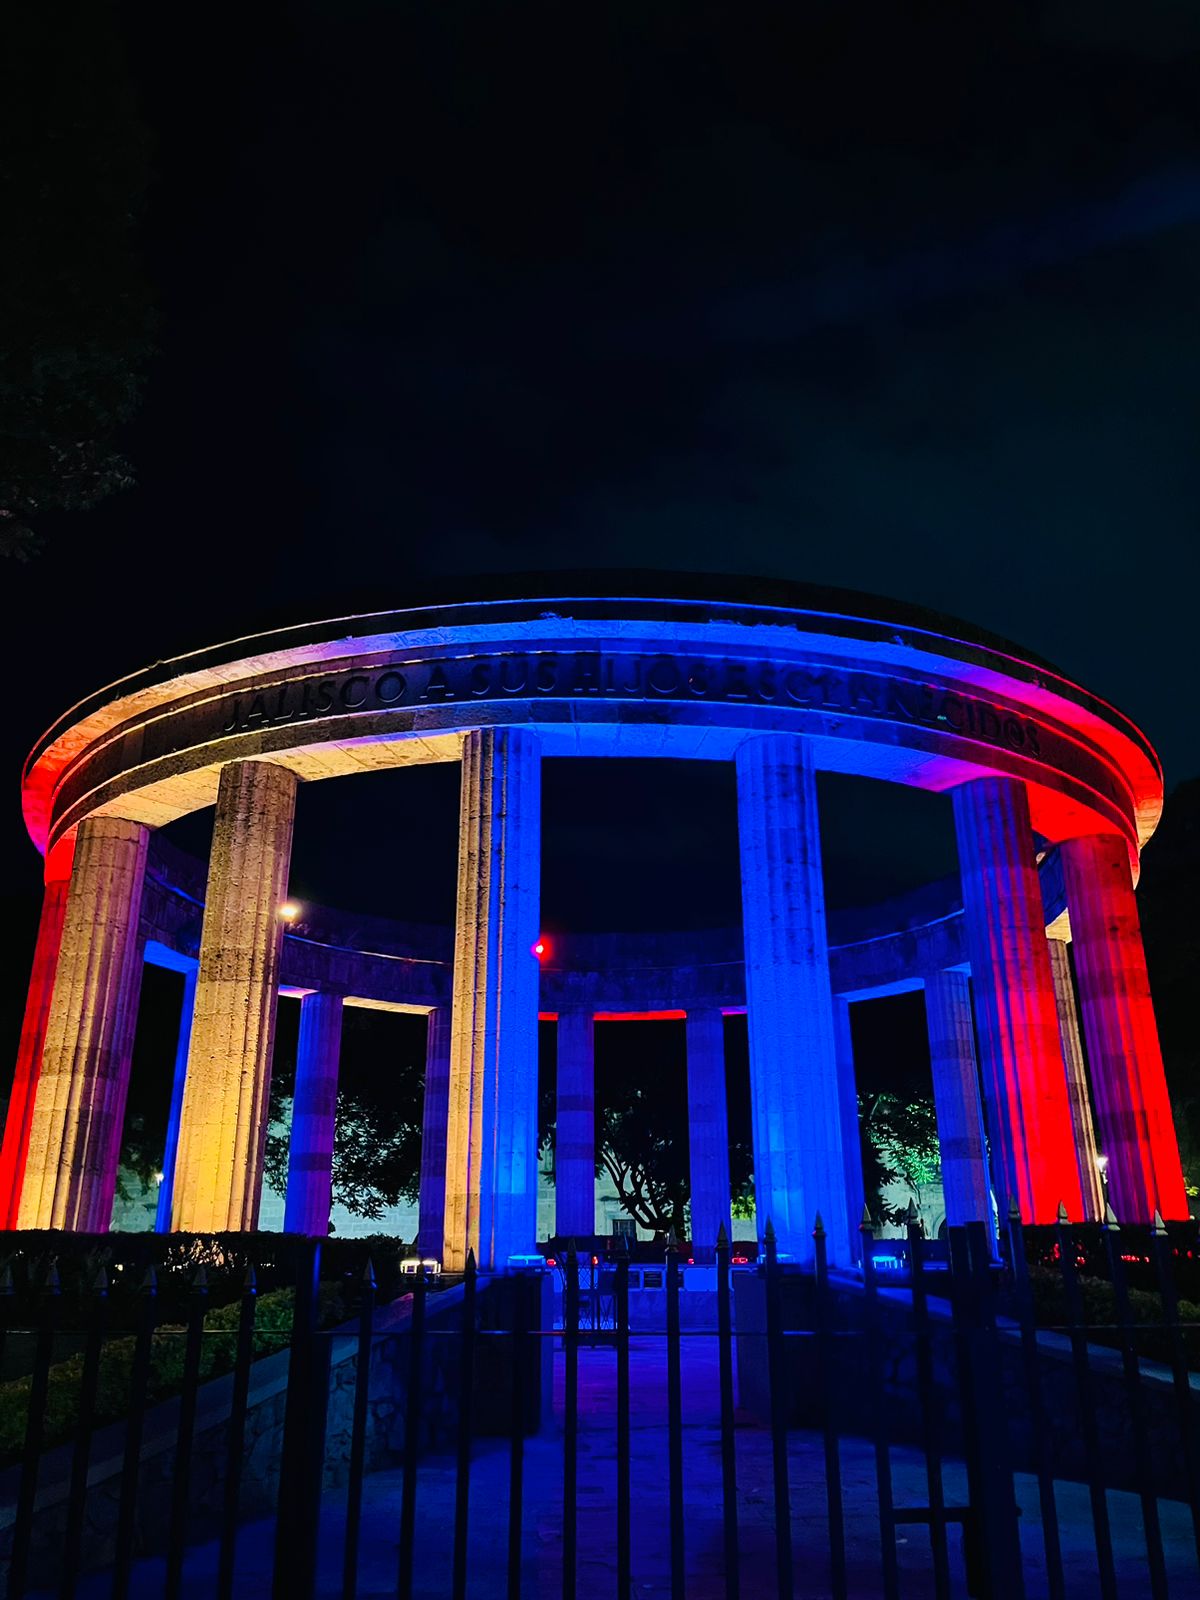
162, 1216
431, 1196
708, 1131
966, 1182
1086, 1151
15, 1147
491, 1137
1025, 1084
223, 1129
848, 1102
309, 1194
575, 1127
71, 1140
1133, 1111
798, 1158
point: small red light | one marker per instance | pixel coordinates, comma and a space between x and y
539, 949
595, 1261
551, 1262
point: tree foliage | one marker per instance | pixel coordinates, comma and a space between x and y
76, 319
900, 1145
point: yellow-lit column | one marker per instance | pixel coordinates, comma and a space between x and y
71, 1139
491, 1126
223, 1129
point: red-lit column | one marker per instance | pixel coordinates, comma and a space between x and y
314, 1114
1025, 1083
15, 1147
708, 1132
575, 1128
70, 1166
1136, 1129
431, 1194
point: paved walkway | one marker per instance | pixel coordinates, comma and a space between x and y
702, 1478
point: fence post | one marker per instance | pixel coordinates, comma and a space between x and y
875, 1379
997, 1567
34, 1421
1161, 1245
193, 1349
138, 1384
516, 1462
81, 1455
1023, 1294
462, 1470
927, 1393
242, 1361
570, 1422
412, 1421
778, 1399
624, 1519
674, 1420
825, 1386
728, 1448
303, 1455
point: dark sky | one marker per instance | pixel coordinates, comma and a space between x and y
899, 298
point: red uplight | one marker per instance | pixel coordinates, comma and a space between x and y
541, 948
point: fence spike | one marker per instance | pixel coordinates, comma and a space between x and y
622, 1250
100, 1281
818, 1227
672, 1241
250, 1280
6, 1278
1110, 1219
149, 1283
52, 1283
200, 1280
1063, 1218
1160, 1227
911, 1216
469, 1264
1014, 1210
866, 1218
769, 1231
722, 1237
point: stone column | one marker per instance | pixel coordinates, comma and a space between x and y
491, 1135
799, 1165
575, 1128
1025, 1084
116, 1093
162, 1217
15, 1148
1133, 1111
71, 1141
1077, 1084
966, 1182
848, 1103
431, 1198
708, 1131
309, 1194
223, 1129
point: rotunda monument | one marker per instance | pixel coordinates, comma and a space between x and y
1054, 793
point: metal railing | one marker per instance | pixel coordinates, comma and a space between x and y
991, 1373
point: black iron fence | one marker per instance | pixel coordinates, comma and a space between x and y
952, 1419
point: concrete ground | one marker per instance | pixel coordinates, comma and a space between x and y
702, 1480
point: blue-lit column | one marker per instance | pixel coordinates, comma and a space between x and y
431, 1195
162, 1220
848, 1102
491, 1132
708, 1131
314, 1111
966, 1183
799, 1165
575, 1128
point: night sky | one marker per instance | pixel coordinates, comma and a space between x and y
897, 298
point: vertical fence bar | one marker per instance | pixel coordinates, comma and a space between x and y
1023, 1298
1077, 1333
570, 1424
1168, 1295
825, 1388
462, 1468
81, 1454
18, 1566
1151, 1526
358, 1431
243, 1357
302, 1459
883, 1454
516, 1460
624, 1518
927, 1397
728, 1444
139, 1383
674, 1421
412, 1422
779, 1401
6, 1305
181, 1472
